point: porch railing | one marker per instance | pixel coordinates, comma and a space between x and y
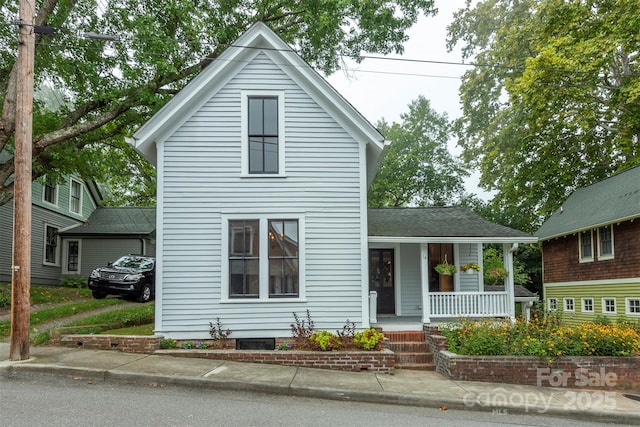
471, 304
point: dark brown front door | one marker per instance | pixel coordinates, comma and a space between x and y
381, 279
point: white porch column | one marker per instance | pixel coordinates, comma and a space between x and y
424, 280
373, 307
507, 251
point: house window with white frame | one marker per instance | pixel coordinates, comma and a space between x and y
605, 242
283, 258
633, 306
609, 306
244, 259
50, 245
50, 191
587, 305
263, 134
569, 304
75, 197
552, 304
73, 256
263, 258
586, 246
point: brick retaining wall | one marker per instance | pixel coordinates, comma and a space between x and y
593, 372
355, 361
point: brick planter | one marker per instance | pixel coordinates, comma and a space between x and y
374, 361
593, 372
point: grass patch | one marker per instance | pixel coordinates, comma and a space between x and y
49, 314
117, 319
145, 330
49, 294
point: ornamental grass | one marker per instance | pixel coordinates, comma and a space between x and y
546, 338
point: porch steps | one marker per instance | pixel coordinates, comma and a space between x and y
411, 350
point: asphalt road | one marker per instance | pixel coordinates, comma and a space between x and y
44, 401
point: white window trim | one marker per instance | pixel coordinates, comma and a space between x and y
626, 304
606, 256
244, 133
44, 246
65, 256
564, 304
581, 258
56, 190
615, 302
549, 304
71, 181
584, 310
264, 258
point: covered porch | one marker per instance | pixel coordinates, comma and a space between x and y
406, 244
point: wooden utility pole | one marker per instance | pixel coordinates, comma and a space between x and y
21, 265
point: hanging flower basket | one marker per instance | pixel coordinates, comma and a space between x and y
470, 268
445, 268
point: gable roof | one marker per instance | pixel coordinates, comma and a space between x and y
614, 199
117, 221
451, 223
256, 40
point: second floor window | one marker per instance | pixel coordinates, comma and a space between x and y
75, 197
586, 246
50, 191
605, 242
263, 134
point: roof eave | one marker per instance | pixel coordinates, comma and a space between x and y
590, 227
451, 239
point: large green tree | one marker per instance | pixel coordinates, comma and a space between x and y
418, 168
108, 88
553, 102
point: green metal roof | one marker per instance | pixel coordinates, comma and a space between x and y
612, 200
446, 222
117, 221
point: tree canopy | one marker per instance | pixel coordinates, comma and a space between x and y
553, 102
106, 89
418, 168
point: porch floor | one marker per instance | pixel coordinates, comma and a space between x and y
399, 323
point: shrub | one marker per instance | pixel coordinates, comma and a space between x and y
302, 329
348, 330
217, 332
5, 298
325, 341
77, 282
369, 339
168, 343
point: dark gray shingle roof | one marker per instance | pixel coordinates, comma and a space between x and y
605, 202
451, 221
519, 291
117, 221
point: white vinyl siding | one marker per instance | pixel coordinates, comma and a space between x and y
202, 184
409, 284
467, 253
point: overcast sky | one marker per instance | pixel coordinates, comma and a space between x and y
384, 88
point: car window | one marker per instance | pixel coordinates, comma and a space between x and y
134, 262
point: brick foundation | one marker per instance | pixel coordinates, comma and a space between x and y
593, 372
124, 343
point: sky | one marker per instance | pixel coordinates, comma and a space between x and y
384, 88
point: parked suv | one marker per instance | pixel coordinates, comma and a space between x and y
131, 275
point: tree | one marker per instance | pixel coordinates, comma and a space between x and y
418, 168
108, 88
553, 102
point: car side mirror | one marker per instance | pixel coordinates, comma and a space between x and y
109, 264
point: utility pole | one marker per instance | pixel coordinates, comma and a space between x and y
21, 265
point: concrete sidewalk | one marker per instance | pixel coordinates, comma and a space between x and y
416, 388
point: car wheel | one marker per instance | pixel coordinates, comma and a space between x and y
145, 293
98, 294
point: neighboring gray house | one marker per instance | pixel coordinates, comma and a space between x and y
56, 207
263, 170
109, 233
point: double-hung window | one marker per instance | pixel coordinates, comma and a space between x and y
50, 191
262, 133
263, 258
50, 245
586, 246
75, 197
605, 242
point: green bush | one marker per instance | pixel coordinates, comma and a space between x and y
325, 341
168, 344
369, 339
5, 298
77, 282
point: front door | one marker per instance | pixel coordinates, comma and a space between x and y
381, 274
